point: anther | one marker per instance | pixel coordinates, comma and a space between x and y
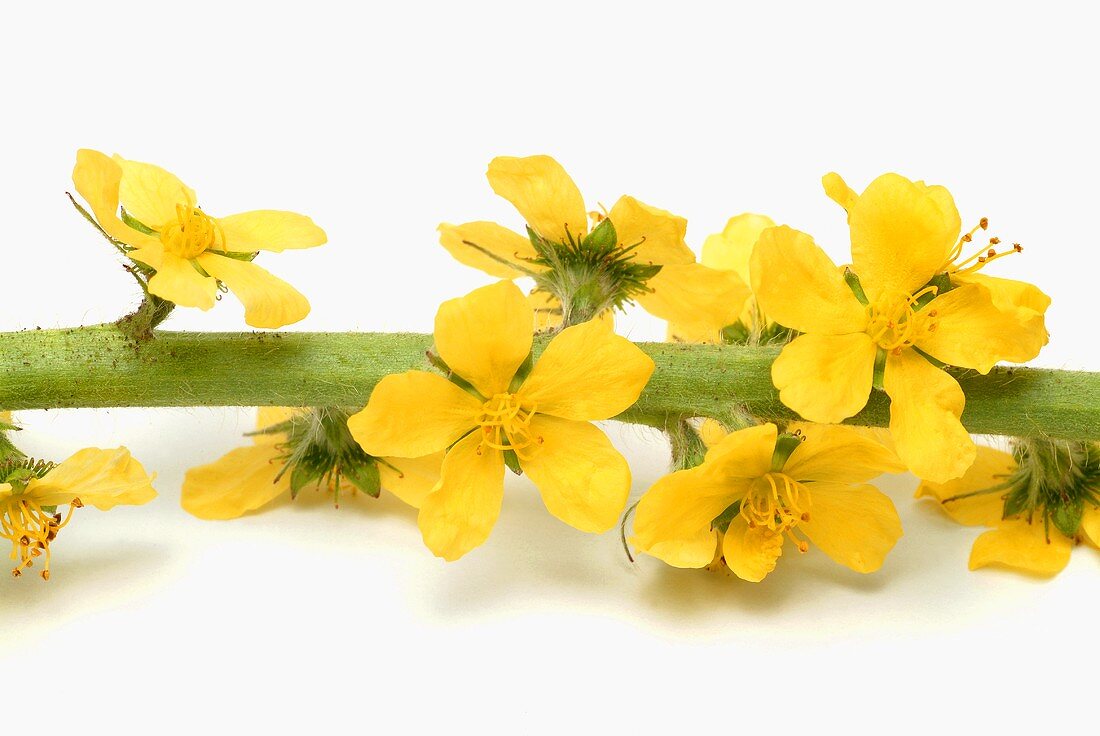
967, 238
45, 574
1017, 247
76, 503
994, 241
983, 223
805, 516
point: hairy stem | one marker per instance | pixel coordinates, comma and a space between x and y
101, 367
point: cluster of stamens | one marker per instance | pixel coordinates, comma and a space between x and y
777, 503
192, 234
897, 322
980, 258
30, 529
505, 423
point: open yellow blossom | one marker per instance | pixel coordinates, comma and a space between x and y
892, 323
498, 410
634, 252
248, 478
163, 227
757, 487
1034, 518
31, 491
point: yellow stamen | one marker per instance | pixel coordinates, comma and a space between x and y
192, 234
30, 530
980, 259
505, 422
778, 503
896, 322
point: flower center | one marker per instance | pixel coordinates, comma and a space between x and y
505, 422
982, 257
193, 233
897, 321
778, 503
30, 529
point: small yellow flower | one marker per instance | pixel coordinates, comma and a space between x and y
248, 478
191, 251
31, 491
995, 493
551, 204
757, 487
493, 412
908, 304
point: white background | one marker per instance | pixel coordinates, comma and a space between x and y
379, 123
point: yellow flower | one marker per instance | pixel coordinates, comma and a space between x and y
757, 487
907, 305
250, 477
494, 412
730, 250
31, 490
995, 493
647, 259
190, 250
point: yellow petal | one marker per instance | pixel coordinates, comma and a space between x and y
694, 333
460, 513
991, 467
269, 416
1008, 294
658, 234
240, 481
673, 519
856, 526
583, 479
150, 194
587, 372
746, 453
972, 332
902, 234
798, 286
269, 301
826, 378
97, 178
5, 417
1090, 525
502, 243
1022, 546
543, 193
273, 230
411, 479
176, 278
925, 406
839, 191
100, 478
840, 454
486, 335
751, 553
698, 297
413, 414
712, 432
731, 249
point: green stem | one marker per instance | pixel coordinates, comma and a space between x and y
139, 324
100, 367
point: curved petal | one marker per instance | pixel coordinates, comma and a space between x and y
694, 334
658, 234
746, 453
97, 178
840, 454
460, 513
150, 194
838, 190
902, 234
856, 526
826, 378
731, 249
972, 332
587, 373
1028, 299
990, 469
486, 335
674, 517
472, 243
413, 414
925, 406
100, 478
751, 552
176, 278
583, 479
411, 479
240, 481
799, 287
273, 230
696, 296
543, 193
1090, 525
1022, 546
269, 301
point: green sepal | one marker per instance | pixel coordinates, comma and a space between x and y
302, 475
602, 237
785, 444
852, 280
441, 365
522, 372
136, 224
879, 375
246, 257
1016, 502
735, 334
943, 284
722, 521
1067, 517
363, 476
511, 459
